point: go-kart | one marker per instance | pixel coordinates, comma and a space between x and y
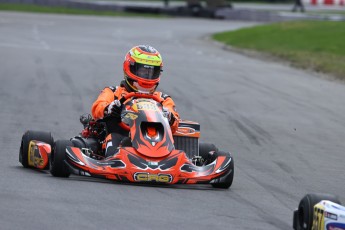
319, 212
150, 154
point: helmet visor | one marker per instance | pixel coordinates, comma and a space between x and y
144, 71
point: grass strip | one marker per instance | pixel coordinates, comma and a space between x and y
65, 10
316, 45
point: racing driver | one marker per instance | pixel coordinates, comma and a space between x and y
142, 69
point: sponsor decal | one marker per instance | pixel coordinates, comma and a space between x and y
148, 66
186, 130
143, 105
335, 226
131, 116
147, 177
330, 215
113, 163
152, 163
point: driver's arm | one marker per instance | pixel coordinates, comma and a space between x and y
103, 100
170, 105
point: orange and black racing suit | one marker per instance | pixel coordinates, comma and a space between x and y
109, 94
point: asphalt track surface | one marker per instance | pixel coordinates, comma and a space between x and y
285, 127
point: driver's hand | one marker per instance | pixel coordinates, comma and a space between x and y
114, 109
169, 115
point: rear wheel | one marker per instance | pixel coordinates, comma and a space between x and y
58, 167
226, 181
30, 136
306, 209
205, 149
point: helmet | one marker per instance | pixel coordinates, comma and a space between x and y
142, 68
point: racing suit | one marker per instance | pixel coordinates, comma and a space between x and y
116, 133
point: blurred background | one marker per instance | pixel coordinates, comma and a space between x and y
265, 80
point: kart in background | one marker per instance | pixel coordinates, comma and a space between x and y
319, 212
151, 153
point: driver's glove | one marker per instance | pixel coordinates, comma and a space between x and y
113, 109
169, 115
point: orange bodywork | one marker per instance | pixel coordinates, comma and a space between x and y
128, 165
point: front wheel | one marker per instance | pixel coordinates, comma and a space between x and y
205, 149
225, 181
58, 167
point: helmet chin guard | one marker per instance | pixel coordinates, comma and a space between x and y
144, 89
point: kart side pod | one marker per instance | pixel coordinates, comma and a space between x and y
186, 137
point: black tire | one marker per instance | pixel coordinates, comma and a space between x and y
205, 148
225, 182
58, 167
306, 209
24, 145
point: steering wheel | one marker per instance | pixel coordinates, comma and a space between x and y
141, 95
137, 95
